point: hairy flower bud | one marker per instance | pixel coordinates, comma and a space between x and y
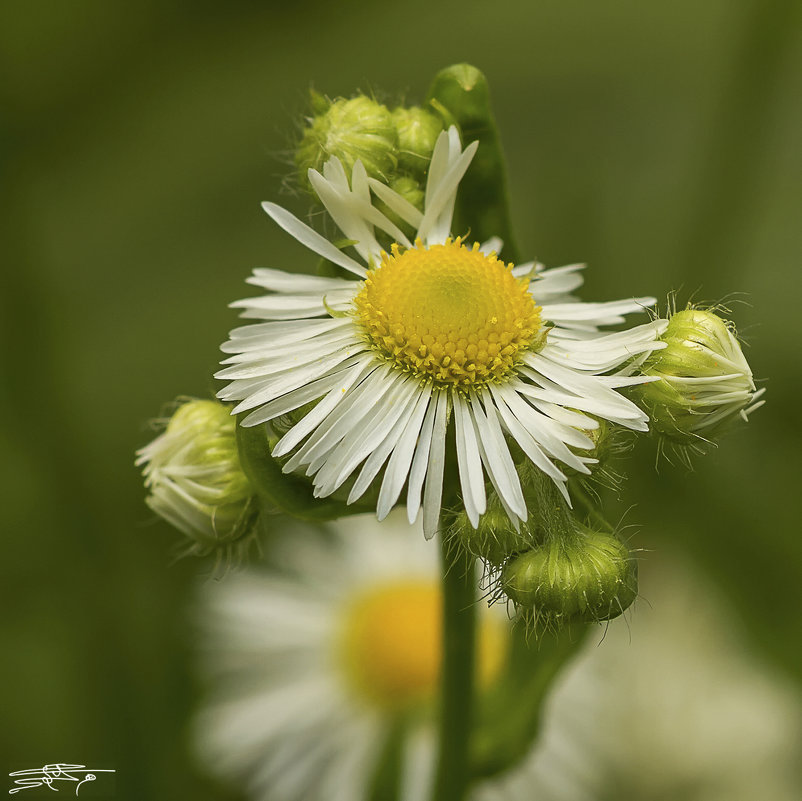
495, 539
705, 382
356, 129
417, 130
193, 473
590, 577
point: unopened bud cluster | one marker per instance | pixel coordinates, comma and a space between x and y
704, 381
395, 146
193, 474
555, 569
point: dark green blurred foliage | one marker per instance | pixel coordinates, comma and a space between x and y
658, 142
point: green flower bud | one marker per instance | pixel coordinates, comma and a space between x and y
705, 382
588, 578
417, 133
410, 190
356, 129
494, 540
195, 481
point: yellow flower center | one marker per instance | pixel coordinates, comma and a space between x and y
391, 643
448, 312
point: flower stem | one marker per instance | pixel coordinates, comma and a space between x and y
582, 495
457, 677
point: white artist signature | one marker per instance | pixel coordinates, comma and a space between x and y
49, 774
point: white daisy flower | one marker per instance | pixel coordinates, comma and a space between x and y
431, 330
310, 669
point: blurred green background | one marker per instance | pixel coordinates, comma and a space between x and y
660, 142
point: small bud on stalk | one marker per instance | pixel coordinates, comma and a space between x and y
590, 577
705, 382
195, 479
494, 539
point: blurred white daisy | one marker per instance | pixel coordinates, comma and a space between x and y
311, 668
674, 706
432, 329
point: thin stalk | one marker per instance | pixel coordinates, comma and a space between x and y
457, 676
582, 495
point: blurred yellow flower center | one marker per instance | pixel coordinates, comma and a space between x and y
448, 312
391, 643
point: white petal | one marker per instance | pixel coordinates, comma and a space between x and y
401, 459
447, 166
345, 418
528, 442
345, 210
356, 446
548, 433
596, 313
400, 205
261, 348
549, 285
255, 363
275, 388
493, 245
420, 461
411, 417
279, 281
497, 461
334, 386
433, 489
311, 239
278, 334
471, 476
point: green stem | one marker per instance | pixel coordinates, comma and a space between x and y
459, 635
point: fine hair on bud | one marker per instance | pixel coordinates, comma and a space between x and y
590, 577
705, 383
355, 129
495, 539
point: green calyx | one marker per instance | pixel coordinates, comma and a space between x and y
705, 380
590, 577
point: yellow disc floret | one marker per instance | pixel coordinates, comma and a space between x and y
449, 313
391, 643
